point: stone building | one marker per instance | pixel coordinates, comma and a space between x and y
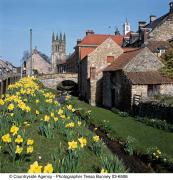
59, 56
95, 52
134, 73
40, 63
8, 75
156, 34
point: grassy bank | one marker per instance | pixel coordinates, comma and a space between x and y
122, 127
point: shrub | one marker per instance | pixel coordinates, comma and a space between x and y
130, 145
156, 123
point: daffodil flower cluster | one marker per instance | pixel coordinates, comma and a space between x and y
16, 144
36, 168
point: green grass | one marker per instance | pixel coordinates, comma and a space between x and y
44, 147
122, 127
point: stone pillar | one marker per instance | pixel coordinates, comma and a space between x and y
92, 100
93, 84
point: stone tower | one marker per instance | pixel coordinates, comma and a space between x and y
58, 50
126, 27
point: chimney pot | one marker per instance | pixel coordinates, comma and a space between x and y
153, 18
141, 24
78, 41
89, 32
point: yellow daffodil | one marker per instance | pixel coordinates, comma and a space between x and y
82, 141
30, 142
79, 123
46, 118
52, 114
158, 151
1, 102
11, 107
35, 168
62, 116
73, 110
55, 119
48, 168
70, 125
60, 111
6, 138
69, 107
18, 149
37, 112
19, 139
72, 145
14, 129
29, 149
103, 171
96, 138
37, 101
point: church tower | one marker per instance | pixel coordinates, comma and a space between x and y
126, 27
58, 50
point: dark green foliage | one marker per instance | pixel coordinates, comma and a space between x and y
165, 100
167, 59
156, 123
129, 146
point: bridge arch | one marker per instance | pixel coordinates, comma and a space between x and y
52, 80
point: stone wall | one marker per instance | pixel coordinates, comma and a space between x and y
116, 90
144, 61
164, 31
140, 90
98, 59
39, 64
166, 89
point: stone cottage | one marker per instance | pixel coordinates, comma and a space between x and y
155, 35
95, 52
134, 73
40, 63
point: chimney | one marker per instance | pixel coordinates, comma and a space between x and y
171, 7
141, 24
78, 41
89, 32
153, 18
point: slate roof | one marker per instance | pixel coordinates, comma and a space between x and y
122, 60
147, 78
155, 23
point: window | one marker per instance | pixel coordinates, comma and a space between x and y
160, 52
110, 59
153, 90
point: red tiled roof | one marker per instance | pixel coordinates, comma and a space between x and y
150, 77
85, 51
122, 60
97, 39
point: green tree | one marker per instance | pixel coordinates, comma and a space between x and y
167, 59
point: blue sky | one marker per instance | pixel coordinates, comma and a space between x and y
73, 17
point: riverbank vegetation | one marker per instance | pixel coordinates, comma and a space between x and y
40, 135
